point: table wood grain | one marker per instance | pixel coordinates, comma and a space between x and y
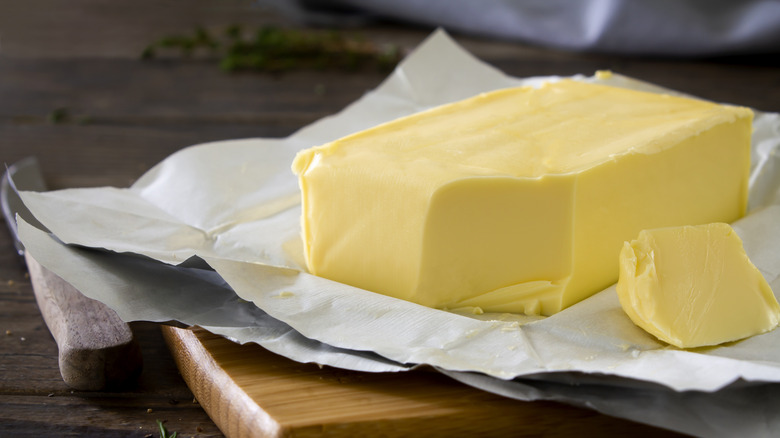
125, 115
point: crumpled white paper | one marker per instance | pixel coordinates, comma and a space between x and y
235, 205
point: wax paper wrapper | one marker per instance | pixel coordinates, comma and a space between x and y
211, 237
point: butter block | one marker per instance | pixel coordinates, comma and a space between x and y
694, 286
517, 200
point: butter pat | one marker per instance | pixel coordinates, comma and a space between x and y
694, 286
517, 200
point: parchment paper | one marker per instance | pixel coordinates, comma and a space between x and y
235, 206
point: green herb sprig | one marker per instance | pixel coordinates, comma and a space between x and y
270, 49
164, 432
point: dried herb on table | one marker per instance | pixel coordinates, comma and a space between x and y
62, 115
270, 49
164, 432
58, 115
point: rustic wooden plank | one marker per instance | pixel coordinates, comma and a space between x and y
51, 29
80, 414
131, 91
34, 401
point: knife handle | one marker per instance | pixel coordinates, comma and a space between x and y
97, 350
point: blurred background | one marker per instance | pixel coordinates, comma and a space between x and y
157, 70
142, 79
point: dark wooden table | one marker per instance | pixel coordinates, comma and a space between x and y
74, 93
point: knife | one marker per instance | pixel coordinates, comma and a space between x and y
96, 349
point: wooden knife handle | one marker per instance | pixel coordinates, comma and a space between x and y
97, 350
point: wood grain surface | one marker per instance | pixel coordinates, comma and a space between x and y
125, 115
96, 349
250, 392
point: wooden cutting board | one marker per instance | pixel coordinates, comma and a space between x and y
250, 392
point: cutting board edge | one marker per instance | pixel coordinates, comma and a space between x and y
230, 407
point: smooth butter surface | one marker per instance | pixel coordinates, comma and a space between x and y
517, 200
694, 286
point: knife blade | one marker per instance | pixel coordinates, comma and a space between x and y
25, 174
96, 349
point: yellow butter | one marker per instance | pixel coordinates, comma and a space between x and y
517, 200
694, 286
